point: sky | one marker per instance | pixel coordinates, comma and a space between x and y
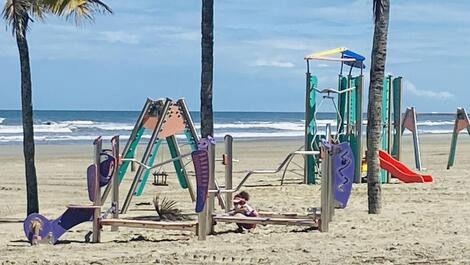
151, 48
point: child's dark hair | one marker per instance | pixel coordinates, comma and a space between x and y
244, 195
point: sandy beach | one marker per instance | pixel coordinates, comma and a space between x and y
419, 224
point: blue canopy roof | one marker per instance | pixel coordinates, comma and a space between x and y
359, 63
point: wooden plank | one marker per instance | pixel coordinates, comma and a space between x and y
182, 226
266, 220
84, 206
287, 215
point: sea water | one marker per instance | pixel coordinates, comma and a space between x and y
71, 127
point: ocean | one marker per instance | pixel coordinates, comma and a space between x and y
76, 127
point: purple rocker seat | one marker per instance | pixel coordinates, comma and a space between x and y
38, 228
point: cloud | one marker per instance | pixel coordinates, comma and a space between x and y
120, 37
410, 87
264, 63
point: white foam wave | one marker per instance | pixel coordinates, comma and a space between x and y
2, 119
52, 128
434, 123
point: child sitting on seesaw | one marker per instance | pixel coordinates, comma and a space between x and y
242, 209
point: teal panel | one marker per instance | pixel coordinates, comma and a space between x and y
396, 95
130, 153
310, 159
384, 134
179, 167
146, 173
192, 142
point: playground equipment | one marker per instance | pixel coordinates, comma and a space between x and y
347, 103
337, 172
461, 122
394, 127
165, 119
348, 111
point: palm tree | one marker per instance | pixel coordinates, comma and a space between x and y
381, 9
18, 14
207, 68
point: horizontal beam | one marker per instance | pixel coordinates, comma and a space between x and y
266, 220
181, 226
288, 215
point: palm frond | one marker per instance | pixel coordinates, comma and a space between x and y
76, 9
166, 209
16, 14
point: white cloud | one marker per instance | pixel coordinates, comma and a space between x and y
264, 63
410, 87
121, 36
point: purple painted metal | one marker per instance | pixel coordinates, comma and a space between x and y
106, 171
36, 219
70, 218
343, 173
201, 168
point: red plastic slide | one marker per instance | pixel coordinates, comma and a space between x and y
400, 170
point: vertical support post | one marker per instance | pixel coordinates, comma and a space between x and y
358, 128
416, 141
389, 122
461, 122
310, 105
325, 210
212, 186
98, 146
385, 123
397, 102
115, 181
228, 162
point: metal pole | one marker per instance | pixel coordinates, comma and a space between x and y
98, 143
307, 120
389, 121
397, 99
325, 214
211, 196
416, 141
228, 139
358, 151
115, 181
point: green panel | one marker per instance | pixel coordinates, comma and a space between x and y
191, 140
130, 153
310, 118
384, 134
146, 173
352, 102
179, 167
396, 91
352, 109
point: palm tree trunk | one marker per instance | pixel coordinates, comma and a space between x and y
27, 117
374, 109
207, 57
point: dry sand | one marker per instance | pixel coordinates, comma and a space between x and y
419, 224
